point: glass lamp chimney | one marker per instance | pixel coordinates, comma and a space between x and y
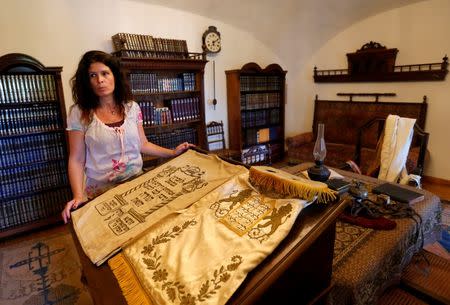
320, 149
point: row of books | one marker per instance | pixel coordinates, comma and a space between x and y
176, 111
27, 88
260, 117
32, 177
29, 119
257, 136
27, 209
161, 116
138, 45
31, 149
260, 83
172, 139
260, 100
153, 83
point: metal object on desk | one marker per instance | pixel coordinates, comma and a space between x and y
358, 190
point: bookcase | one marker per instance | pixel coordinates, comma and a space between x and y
170, 92
256, 99
33, 161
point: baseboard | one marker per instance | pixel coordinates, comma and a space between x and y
435, 180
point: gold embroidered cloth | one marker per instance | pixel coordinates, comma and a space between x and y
106, 223
202, 255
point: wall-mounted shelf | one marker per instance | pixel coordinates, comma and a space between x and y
375, 63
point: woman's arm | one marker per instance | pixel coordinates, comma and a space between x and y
155, 150
77, 160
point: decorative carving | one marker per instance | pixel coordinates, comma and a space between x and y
371, 45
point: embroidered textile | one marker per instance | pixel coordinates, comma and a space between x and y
122, 213
202, 255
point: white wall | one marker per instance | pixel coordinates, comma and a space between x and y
420, 33
58, 32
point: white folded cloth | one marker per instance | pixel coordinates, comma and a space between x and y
398, 133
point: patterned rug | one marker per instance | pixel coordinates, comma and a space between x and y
41, 270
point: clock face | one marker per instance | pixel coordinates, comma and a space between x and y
212, 42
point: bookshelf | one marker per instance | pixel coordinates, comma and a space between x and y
33, 163
256, 99
170, 93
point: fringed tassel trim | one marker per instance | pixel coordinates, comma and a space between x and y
272, 179
132, 290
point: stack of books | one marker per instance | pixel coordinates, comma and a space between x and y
147, 46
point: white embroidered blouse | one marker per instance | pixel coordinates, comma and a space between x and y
112, 153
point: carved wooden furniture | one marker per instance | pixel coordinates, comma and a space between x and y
343, 120
255, 102
376, 63
33, 162
215, 136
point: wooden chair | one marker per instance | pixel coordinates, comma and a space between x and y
257, 155
216, 141
374, 128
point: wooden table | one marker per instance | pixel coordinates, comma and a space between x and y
299, 269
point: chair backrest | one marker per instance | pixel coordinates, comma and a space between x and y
215, 136
376, 125
257, 155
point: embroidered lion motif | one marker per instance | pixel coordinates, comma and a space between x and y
271, 223
225, 205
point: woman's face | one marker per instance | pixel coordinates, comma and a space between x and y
102, 79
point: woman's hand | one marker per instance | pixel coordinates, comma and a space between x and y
182, 148
71, 205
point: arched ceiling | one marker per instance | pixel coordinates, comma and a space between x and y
280, 23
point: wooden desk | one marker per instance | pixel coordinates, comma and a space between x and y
299, 269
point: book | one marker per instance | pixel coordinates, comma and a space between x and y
338, 184
398, 193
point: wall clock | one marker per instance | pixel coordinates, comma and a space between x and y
211, 40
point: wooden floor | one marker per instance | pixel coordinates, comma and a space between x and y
442, 190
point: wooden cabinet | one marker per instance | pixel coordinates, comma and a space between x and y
170, 92
256, 99
33, 161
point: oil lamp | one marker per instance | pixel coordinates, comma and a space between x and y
319, 172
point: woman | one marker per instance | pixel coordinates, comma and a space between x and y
106, 137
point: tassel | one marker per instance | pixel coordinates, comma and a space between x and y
290, 185
131, 288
